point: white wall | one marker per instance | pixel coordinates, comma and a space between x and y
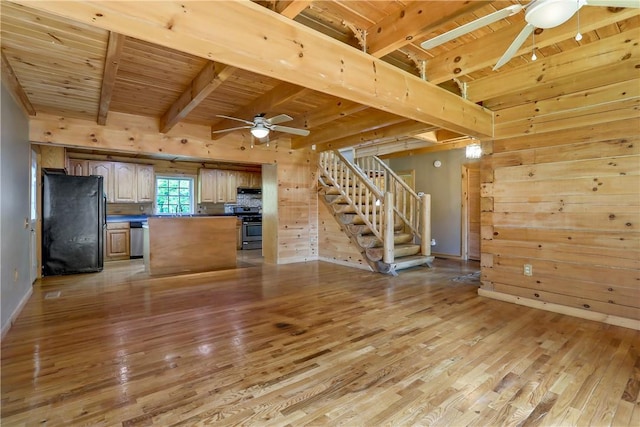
445, 186
15, 286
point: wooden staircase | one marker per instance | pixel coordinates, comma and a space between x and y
383, 217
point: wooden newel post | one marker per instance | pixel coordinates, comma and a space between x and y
425, 221
388, 257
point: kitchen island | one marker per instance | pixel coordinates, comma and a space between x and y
179, 245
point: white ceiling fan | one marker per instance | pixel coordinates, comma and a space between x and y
538, 14
260, 126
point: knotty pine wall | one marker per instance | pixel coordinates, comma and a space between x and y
566, 201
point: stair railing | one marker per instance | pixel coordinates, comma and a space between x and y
412, 209
363, 195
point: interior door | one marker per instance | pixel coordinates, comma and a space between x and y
33, 217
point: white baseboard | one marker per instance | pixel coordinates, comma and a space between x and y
16, 312
563, 309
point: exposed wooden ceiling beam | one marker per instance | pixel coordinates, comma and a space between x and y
432, 149
340, 129
612, 50
416, 20
292, 8
111, 64
280, 48
15, 88
333, 110
268, 102
485, 51
208, 80
405, 128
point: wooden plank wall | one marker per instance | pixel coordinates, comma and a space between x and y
565, 198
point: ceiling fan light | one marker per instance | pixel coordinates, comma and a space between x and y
259, 131
551, 13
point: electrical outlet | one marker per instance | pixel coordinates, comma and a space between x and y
433, 242
528, 270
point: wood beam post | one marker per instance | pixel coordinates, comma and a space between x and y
208, 80
111, 64
416, 20
389, 216
425, 224
281, 48
292, 8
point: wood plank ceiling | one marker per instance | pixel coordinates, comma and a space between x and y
56, 65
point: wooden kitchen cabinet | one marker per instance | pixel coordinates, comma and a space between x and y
104, 169
207, 186
78, 167
126, 184
117, 241
146, 183
231, 193
255, 180
243, 179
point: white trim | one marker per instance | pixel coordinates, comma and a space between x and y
563, 309
16, 312
193, 190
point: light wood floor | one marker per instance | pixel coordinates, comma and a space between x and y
307, 344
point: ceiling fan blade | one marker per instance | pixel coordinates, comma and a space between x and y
613, 3
235, 118
281, 118
230, 129
295, 131
472, 26
515, 45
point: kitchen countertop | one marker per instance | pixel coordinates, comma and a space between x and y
139, 218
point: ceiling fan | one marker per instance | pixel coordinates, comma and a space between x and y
538, 14
261, 126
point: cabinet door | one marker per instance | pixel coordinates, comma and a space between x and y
78, 167
256, 180
146, 183
243, 179
117, 243
221, 187
207, 186
126, 184
231, 187
104, 169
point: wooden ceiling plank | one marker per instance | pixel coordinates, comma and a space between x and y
268, 102
296, 54
616, 49
202, 85
292, 8
111, 64
416, 20
485, 51
343, 128
15, 88
406, 128
405, 145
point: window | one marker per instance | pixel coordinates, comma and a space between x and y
174, 195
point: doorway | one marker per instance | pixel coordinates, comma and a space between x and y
471, 211
33, 218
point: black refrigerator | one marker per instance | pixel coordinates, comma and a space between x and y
73, 222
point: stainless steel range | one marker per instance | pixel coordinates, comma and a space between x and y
251, 226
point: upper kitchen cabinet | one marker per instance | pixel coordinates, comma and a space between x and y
207, 179
146, 181
231, 190
104, 169
126, 184
255, 180
78, 167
